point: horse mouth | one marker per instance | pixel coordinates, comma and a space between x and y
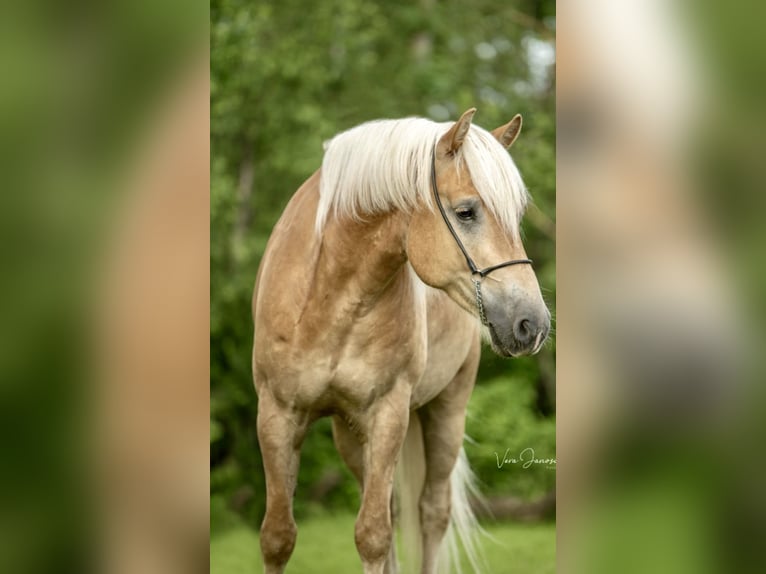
504, 351
498, 346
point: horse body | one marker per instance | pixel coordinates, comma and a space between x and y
345, 326
393, 323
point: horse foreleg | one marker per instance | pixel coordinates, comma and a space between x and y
386, 427
280, 434
349, 447
351, 452
443, 422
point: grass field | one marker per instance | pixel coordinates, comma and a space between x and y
326, 546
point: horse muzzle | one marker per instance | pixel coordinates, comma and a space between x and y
521, 332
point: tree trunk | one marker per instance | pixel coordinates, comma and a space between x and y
244, 193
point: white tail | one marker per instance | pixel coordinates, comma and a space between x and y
463, 530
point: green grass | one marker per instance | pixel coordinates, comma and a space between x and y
326, 545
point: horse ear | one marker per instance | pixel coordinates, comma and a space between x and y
450, 142
508, 133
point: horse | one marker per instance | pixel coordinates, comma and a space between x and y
369, 307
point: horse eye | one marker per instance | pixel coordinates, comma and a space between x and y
465, 213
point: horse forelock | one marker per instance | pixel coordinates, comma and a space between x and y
384, 165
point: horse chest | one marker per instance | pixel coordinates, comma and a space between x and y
375, 358
451, 334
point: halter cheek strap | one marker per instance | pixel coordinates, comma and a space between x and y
476, 274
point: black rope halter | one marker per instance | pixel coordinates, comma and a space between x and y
475, 271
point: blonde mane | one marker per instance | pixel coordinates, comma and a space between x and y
385, 165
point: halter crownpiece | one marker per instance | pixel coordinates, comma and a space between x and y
482, 273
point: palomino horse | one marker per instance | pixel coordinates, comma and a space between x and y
368, 307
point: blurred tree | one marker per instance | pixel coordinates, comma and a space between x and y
285, 76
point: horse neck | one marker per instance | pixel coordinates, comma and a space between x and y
363, 259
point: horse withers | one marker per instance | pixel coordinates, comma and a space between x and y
386, 267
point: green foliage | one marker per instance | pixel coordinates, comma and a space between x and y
285, 76
502, 424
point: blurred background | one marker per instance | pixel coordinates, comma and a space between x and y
285, 76
103, 209
106, 312
660, 282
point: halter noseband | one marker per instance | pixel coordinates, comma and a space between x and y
482, 273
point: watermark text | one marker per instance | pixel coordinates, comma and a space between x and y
525, 459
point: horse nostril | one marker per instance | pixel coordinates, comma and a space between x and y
523, 330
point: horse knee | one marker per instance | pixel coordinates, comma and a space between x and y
435, 512
373, 538
278, 540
